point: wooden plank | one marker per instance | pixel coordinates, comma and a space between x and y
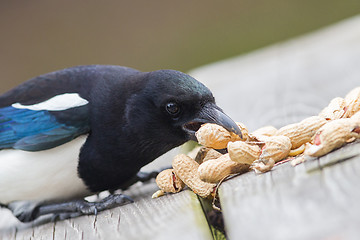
175, 216
290, 203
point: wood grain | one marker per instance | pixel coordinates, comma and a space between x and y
290, 203
171, 215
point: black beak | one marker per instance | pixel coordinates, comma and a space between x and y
211, 113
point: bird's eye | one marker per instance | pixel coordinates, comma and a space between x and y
173, 109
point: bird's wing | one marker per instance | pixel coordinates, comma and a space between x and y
53, 108
42, 126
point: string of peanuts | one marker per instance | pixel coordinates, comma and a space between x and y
315, 136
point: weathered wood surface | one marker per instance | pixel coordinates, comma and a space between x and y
276, 86
295, 203
168, 216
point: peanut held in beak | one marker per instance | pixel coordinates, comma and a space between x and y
213, 136
211, 113
217, 137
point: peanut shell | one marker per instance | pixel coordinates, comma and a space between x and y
299, 159
187, 170
199, 158
168, 181
352, 101
211, 154
158, 193
333, 135
244, 132
215, 170
242, 152
302, 132
263, 166
276, 148
265, 131
213, 136
356, 117
335, 109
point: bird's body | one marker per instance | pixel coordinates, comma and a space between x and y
87, 129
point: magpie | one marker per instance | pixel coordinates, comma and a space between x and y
78, 131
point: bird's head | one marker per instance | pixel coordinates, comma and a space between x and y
173, 105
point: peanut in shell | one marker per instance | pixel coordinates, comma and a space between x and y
244, 132
276, 148
213, 136
201, 154
265, 131
242, 152
356, 117
215, 170
205, 154
187, 170
333, 135
352, 102
168, 181
335, 109
212, 154
302, 132
262, 166
216, 137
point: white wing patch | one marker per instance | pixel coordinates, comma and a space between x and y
58, 103
44, 175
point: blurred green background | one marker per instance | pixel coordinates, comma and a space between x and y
41, 36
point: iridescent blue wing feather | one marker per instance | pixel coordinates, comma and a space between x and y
35, 130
